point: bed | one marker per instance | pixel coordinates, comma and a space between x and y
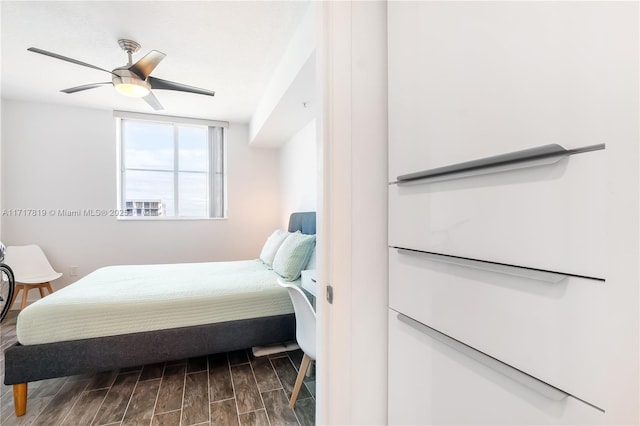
65, 344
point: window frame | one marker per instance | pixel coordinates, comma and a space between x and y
216, 163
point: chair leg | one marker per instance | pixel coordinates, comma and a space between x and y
306, 360
25, 293
25, 290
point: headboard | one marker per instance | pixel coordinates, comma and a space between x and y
304, 222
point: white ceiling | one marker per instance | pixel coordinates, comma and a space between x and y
229, 47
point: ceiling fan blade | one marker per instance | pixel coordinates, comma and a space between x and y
64, 58
153, 101
158, 83
145, 66
84, 87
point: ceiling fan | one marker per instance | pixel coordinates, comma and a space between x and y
132, 80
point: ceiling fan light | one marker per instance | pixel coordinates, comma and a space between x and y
131, 87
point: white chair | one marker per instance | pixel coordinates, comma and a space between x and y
31, 270
305, 333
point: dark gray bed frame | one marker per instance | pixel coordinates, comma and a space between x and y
31, 363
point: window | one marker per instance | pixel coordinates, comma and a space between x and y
170, 167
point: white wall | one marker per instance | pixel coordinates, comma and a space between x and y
300, 48
57, 157
298, 173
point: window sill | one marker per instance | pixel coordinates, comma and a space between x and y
165, 219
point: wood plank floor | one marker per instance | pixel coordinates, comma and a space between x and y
233, 388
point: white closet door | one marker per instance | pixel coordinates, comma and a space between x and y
549, 217
469, 80
549, 326
433, 383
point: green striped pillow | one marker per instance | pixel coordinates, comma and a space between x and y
293, 255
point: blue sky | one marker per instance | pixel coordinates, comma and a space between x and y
149, 146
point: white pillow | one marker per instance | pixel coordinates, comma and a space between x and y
272, 245
293, 255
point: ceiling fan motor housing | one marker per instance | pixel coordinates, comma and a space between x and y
130, 84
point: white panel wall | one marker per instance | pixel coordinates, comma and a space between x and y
353, 363
57, 157
299, 173
1, 139
470, 77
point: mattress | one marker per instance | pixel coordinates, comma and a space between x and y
127, 299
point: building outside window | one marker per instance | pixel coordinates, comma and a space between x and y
144, 208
